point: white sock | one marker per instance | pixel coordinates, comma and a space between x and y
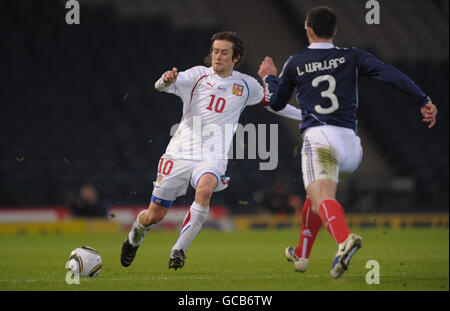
138, 231
192, 225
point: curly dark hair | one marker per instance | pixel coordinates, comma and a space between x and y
238, 46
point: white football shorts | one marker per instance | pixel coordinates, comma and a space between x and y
328, 151
174, 176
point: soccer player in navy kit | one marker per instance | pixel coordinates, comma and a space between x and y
326, 79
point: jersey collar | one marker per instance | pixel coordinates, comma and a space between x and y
321, 45
216, 75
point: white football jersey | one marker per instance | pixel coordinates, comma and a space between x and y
212, 106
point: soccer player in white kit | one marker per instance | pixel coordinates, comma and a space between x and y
213, 100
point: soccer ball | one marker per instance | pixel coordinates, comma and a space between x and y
84, 261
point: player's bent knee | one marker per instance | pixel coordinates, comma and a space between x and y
204, 192
206, 186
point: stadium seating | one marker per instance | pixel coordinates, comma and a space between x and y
77, 104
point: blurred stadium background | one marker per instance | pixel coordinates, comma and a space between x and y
77, 107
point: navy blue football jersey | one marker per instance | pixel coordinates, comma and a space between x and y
326, 80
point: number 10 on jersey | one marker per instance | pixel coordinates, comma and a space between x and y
165, 166
219, 106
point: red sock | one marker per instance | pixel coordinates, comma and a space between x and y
311, 224
333, 218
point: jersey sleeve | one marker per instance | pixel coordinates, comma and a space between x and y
278, 91
256, 91
369, 65
184, 83
289, 112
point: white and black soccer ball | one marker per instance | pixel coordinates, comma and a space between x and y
85, 261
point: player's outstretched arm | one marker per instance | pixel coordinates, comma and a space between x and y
166, 80
278, 92
429, 113
268, 68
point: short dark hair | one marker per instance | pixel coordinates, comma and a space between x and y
322, 20
238, 46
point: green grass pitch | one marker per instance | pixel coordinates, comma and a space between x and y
410, 259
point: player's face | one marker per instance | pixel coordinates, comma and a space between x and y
222, 57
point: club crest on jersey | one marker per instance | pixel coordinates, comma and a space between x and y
237, 89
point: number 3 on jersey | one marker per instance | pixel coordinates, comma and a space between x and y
220, 104
328, 93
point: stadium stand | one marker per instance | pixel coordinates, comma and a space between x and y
78, 104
